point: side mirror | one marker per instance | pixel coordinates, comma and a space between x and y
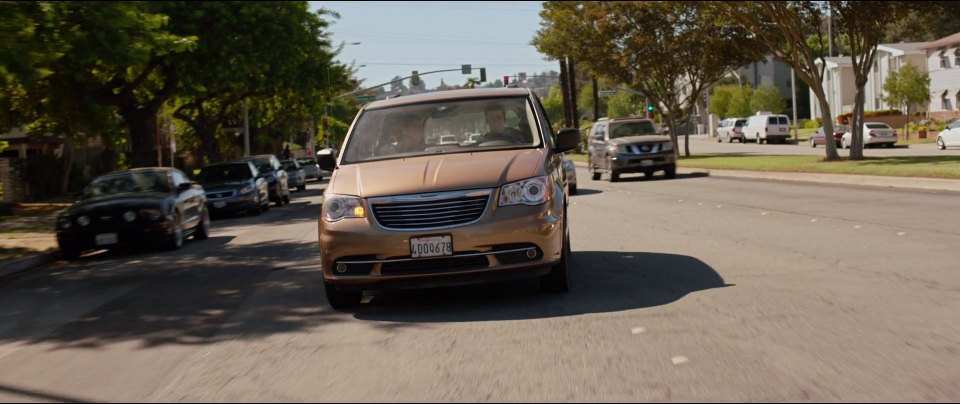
327, 162
567, 139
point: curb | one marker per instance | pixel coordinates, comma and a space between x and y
26, 263
914, 183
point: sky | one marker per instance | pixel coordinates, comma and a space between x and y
397, 38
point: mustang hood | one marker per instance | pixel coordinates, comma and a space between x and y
440, 172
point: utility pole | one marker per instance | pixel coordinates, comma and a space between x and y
793, 87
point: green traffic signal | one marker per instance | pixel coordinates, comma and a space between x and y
650, 108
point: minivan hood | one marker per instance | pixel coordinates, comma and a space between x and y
639, 139
442, 172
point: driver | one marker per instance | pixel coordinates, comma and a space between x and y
496, 120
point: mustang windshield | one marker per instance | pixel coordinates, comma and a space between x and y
145, 181
443, 127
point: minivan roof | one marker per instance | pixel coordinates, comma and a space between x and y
449, 95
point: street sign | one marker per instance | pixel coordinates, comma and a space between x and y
465, 69
365, 98
607, 93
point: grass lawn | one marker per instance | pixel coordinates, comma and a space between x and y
907, 166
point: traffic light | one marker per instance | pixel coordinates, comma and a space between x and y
650, 111
483, 74
414, 79
506, 80
649, 108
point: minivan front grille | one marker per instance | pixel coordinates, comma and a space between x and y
410, 214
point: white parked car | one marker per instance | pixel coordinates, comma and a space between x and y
731, 128
949, 137
874, 133
448, 139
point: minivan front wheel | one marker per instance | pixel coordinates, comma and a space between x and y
558, 280
340, 299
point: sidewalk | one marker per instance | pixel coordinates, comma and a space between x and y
928, 184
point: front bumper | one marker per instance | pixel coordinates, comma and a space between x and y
136, 233
359, 254
638, 163
232, 204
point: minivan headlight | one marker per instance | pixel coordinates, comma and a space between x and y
533, 191
337, 207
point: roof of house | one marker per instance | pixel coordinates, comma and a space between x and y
903, 47
943, 42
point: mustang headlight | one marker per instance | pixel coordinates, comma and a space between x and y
533, 191
336, 207
64, 223
246, 190
129, 216
83, 221
152, 214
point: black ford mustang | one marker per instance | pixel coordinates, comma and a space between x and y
134, 207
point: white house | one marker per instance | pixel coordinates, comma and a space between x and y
838, 86
943, 63
841, 89
891, 57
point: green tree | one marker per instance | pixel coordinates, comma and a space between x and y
907, 88
553, 105
767, 98
720, 100
782, 29
246, 69
669, 51
926, 21
624, 104
819, 44
864, 22
740, 98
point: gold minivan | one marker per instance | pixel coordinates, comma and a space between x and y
404, 209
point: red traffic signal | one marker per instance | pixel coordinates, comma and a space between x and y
506, 80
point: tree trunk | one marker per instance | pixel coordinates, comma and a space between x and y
68, 165
856, 150
142, 125
208, 143
564, 91
827, 117
906, 127
574, 111
596, 100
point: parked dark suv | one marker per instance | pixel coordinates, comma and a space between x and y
629, 145
233, 187
271, 170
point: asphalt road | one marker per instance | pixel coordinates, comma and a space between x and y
693, 289
700, 144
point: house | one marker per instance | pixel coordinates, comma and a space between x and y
943, 63
838, 86
770, 71
890, 57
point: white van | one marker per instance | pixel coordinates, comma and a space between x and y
767, 126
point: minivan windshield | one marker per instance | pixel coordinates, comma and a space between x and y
625, 129
442, 127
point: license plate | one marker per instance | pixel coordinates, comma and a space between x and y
106, 239
783, 129
433, 246
645, 163
219, 204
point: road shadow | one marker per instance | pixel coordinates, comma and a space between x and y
585, 191
200, 296
602, 282
661, 177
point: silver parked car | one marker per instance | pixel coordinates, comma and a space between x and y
296, 177
570, 171
310, 168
